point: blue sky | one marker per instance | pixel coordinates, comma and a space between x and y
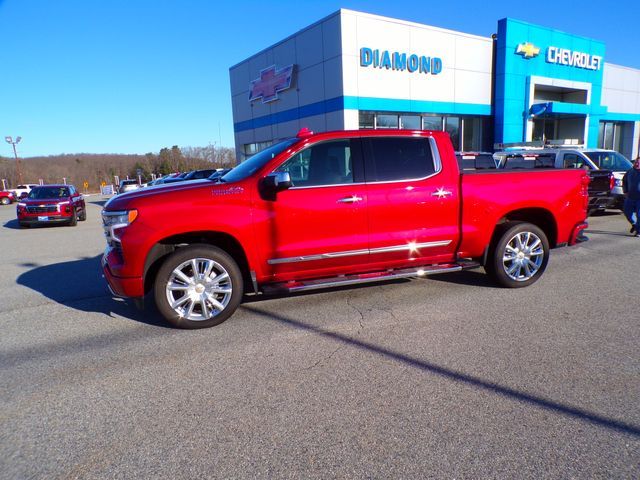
133, 76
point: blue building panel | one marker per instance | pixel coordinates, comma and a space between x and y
524, 51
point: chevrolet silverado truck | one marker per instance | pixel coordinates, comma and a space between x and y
334, 209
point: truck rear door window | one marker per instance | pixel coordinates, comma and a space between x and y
397, 158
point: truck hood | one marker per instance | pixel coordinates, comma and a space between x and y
182, 189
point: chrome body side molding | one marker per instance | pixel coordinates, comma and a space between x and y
350, 253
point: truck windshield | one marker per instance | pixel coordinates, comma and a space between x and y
609, 161
259, 160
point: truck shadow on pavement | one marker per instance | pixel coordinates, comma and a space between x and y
78, 284
530, 399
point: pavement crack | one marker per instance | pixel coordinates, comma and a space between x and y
361, 319
328, 357
390, 312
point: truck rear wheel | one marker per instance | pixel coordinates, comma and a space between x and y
198, 286
519, 256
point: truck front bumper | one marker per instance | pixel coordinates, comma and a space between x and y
120, 286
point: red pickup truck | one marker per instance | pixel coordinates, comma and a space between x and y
331, 209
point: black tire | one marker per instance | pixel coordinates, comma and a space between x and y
202, 290
5, 201
74, 218
83, 216
527, 264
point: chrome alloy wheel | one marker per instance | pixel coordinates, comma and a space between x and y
199, 289
523, 256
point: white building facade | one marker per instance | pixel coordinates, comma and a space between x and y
353, 70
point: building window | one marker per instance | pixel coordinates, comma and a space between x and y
367, 120
452, 127
251, 149
386, 121
610, 136
467, 133
471, 134
432, 123
410, 122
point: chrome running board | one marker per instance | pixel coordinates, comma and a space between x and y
345, 280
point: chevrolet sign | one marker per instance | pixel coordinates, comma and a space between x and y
570, 58
269, 83
527, 50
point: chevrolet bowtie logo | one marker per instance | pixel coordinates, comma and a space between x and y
270, 82
527, 50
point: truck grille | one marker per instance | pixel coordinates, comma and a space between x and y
44, 209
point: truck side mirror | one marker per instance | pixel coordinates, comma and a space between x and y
274, 183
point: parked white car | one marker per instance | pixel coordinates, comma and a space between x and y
128, 186
23, 189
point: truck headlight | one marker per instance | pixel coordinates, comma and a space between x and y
115, 222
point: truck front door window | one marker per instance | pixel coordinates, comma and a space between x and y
327, 163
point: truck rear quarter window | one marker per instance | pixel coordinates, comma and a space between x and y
397, 158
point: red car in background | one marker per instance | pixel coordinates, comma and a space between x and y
48, 204
6, 197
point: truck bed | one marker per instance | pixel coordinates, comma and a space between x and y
488, 196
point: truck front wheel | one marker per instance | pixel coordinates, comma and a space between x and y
519, 256
198, 286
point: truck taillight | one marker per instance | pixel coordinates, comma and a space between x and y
612, 181
584, 183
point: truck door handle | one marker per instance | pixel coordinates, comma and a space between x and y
351, 199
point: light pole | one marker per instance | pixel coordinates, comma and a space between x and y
15, 153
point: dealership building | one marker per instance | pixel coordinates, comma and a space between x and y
353, 70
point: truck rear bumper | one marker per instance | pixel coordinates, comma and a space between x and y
122, 287
577, 236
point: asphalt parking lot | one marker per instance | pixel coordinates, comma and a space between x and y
447, 377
